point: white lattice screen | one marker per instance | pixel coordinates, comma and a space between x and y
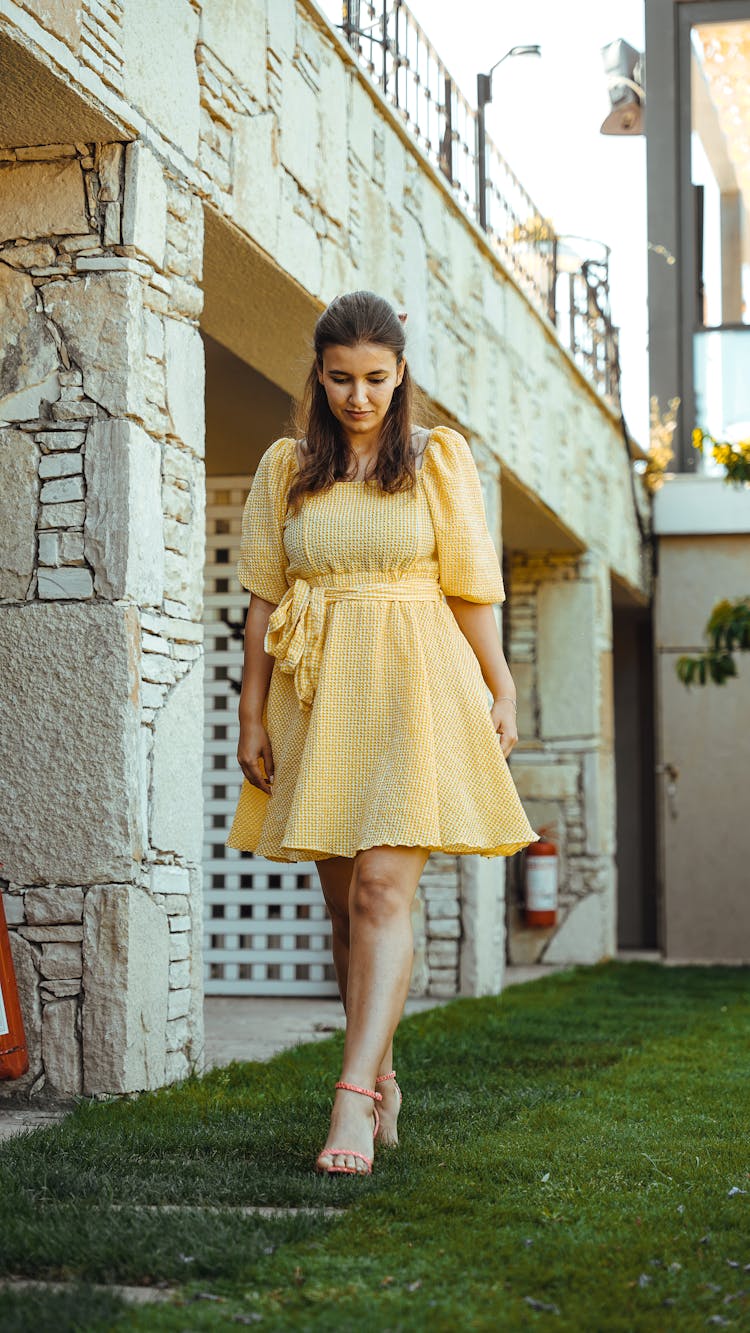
266, 930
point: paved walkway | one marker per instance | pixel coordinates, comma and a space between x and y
256, 1028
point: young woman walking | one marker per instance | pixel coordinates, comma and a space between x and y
366, 736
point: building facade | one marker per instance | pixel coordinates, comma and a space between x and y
698, 154
169, 230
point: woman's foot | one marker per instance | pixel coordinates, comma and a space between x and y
388, 1109
352, 1127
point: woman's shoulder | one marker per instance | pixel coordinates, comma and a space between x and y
278, 456
445, 450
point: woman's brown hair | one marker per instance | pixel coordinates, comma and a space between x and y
351, 319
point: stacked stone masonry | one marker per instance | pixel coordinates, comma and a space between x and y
102, 461
559, 641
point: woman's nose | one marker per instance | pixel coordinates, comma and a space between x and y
358, 393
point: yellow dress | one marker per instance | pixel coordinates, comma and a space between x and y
376, 710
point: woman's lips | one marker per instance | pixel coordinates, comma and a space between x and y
357, 414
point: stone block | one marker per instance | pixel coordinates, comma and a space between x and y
70, 811
179, 945
298, 143
41, 199
59, 17
584, 935
545, 781
567, 660
40, 255
61, 1048
599, 802
125, 984
177, 765
445, 928
185, 376
235, 31
195, 1017
61, 987
59, 932
60, 465
144, 209
61, 959
257, 211
13, 904
159, 70
178, 1033
482, 956
49, 548
18, 487
177, 1066
30, 359
179, 974
60, 439
100, 317
69, 515
109, 166
64, 584
179, 1003
123, 529
27, 981
61, 489
170, 879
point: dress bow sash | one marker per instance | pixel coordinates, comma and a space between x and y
295, 634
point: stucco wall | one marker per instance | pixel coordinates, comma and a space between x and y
703, 733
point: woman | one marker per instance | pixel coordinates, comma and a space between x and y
366, 739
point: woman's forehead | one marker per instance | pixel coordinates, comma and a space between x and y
363, 359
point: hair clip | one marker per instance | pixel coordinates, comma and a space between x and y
403, 316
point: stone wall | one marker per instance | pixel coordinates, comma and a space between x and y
559, 642
101, 463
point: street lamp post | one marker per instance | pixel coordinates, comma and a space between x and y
484, 95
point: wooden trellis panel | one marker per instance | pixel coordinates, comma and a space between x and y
266, 929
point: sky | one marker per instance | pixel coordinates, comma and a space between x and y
544, 117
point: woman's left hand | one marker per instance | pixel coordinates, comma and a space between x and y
503, 716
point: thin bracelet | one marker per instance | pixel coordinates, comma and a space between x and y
507, 699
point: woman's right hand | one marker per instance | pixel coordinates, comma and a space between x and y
254, 745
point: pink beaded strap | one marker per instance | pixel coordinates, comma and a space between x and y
367, 1092
381, 1078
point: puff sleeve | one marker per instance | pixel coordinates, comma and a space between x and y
469, 566
262, 563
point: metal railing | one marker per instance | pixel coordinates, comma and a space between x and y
398, 55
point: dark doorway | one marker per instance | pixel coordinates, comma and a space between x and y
637, 914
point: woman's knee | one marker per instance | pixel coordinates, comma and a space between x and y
376, 897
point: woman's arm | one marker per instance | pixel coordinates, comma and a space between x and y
477, 623
254, 742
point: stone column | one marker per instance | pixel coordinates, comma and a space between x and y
560, 648
101, 408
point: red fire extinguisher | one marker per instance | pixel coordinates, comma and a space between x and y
14, 1058
541, 881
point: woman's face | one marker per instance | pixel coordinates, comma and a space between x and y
359, 383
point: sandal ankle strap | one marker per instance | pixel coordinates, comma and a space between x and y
353, 1087
381, 1078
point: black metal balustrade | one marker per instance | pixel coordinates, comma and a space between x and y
572, 292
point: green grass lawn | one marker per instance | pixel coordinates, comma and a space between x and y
574, 1156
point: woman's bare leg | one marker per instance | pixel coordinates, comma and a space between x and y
335, 874
383, 884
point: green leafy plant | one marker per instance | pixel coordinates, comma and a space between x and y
728, 628
728, 632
